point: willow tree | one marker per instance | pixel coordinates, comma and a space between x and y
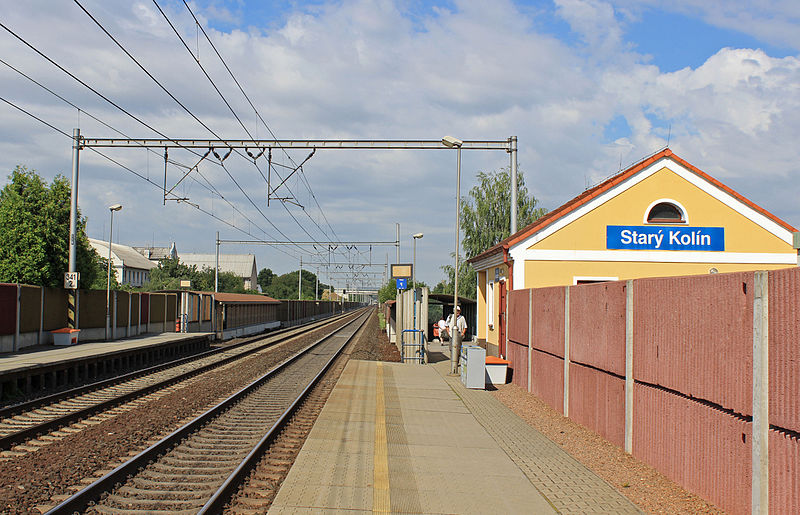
486, 221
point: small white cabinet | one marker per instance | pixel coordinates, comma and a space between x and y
473, 366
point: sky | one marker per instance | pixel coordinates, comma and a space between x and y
587, 86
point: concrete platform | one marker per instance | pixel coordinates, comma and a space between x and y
49, 366
406, 438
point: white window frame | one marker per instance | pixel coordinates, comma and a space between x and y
667, 201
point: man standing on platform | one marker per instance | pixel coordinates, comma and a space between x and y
458, 328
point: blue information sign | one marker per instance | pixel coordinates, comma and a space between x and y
652, 237
402, 284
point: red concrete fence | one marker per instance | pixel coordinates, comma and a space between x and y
698, 376
29, 313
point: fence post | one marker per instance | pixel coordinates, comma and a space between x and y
760, 440
530, 338
41, 316
114, 319
16, 327
629, 366
566, 351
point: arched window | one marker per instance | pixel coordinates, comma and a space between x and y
665, 213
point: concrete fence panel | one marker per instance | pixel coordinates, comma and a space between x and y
597, 401
92, 309
548, 320
145, 309
695, 335
30, 308
8, 308
597, 325
518, 356
55, 309
784, 480
518, 304
172, 311
704, 449
135, 310
784, 351
123, 300
157, 302
547, 379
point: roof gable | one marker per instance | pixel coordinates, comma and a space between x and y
626, 179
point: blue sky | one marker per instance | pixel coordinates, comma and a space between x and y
584, 84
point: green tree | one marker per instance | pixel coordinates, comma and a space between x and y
486, 214
170, 272
285, 286
34, 234
265, 278
486, 221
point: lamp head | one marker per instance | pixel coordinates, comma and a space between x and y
115, 207
417, 236
451, 142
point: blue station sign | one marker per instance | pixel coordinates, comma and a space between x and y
402, 284
651, 237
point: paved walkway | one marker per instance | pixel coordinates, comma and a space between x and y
49, 355
406, 438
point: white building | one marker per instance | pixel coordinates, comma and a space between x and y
243, 265
131, 267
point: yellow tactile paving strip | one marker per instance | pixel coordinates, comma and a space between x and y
381, 500
431, 453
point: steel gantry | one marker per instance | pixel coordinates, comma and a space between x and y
259, 147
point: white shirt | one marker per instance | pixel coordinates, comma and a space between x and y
461, 323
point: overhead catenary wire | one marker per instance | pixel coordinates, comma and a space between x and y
211, 188
261, 118
146, 179
186, 109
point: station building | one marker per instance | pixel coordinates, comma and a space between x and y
661, 217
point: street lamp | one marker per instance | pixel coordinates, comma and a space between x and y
115, 207
451, 142
414, 262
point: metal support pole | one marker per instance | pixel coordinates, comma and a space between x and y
73, 198
300, 280
316, 288
512, 144
397, 248
108, 278
216, 268
73, 223
456, 335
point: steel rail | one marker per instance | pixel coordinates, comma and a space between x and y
231, 485
81, 499
8, 441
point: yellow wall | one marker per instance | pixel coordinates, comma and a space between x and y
628, 208
491, 335
480, 331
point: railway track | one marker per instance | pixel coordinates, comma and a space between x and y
24, 422
201, 465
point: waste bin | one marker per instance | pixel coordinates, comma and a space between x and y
65, 336
496, 370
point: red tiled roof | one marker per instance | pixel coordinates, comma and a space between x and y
609, 183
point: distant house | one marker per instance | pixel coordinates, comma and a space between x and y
131, 267
243, 265
158, 254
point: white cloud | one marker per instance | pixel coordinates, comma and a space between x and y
364, 69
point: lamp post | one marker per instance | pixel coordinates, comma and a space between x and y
414, 262
451, 142
115, 207
414, 277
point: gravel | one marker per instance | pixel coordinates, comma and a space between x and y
32, 480
652, 491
